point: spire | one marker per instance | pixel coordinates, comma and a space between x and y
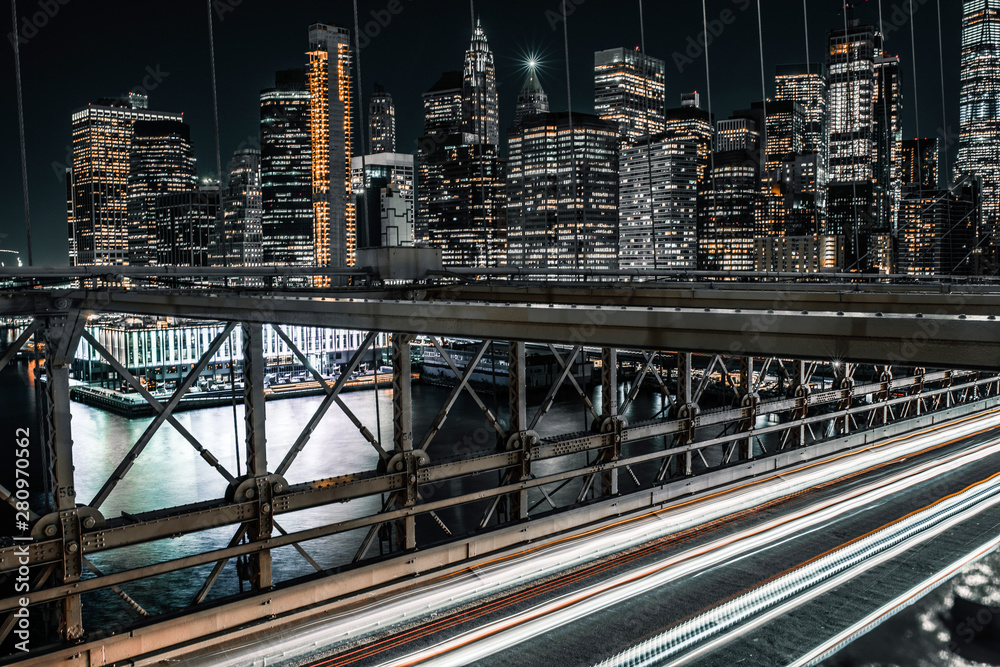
532, 98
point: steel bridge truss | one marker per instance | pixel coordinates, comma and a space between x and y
718, 411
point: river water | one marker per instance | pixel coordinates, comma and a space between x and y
170, 473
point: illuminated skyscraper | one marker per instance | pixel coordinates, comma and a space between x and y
658, 211
806, 84
863, 127
480, 90
331, 132
186, 224
532, 98
937, 230
162, 161
630, 90
239, 240
98, 198
286, 172
381, 122
738, 134
728, 209
920, 159
689, 122
979, 110
444, 106
562, 191
385, 198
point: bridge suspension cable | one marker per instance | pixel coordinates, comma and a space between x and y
15, 39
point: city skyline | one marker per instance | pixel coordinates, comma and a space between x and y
513, 36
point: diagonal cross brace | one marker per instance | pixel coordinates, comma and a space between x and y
482, 406
638, 383
331, 397
453, 396
554, 389
130, 458
19, 343
159, 407
329, 390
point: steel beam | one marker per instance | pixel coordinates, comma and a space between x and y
61, 336
256, 452
402, 437
914, 335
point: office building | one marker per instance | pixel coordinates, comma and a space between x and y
937, 230
239, 239
381, 122
658, 210
920, 160
806, 84
286, 172
799, 254
689, 122
97, 200
186, 223
562, 192
479, 85
728, 208
630, 91
532, 98
444, 106
331, 131
979, 105
161, 161
384, 187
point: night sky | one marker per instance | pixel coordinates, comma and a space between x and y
103, 48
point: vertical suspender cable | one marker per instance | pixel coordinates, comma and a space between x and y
572, 146
649, 147
805, 20
711, 118
944, 106
364, 206
916, 99
20, 126
854, 150
215, 116
763, 90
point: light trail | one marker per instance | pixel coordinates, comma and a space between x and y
502, 634
528, 564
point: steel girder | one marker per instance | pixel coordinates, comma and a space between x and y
258, 496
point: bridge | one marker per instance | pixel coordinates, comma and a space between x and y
767, 383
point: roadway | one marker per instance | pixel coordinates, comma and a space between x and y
603, 606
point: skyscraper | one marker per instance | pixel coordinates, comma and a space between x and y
729, 206
381, 122
386, 176
937, 230
806, 84
162, 161
286, 172
331, 131
444, 106
239, 239
98, 198
863, 128
630, 90
462, 201
480, 90
186, 223
658, 211
692, 122
979, 110
920, 160
562, 191
532, 98
461, 197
